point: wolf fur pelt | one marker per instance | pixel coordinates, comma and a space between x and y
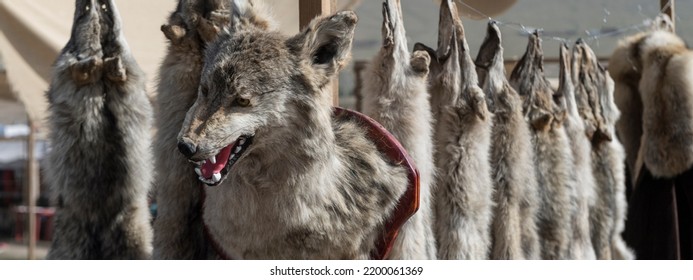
514, 229
581, 245
178, 227
396, 96
464, 189
99, 129
302, 183
607, 216
553, 156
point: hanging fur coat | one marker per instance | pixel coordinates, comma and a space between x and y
514, 229
463, 195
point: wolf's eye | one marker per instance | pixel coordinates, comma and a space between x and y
243, 102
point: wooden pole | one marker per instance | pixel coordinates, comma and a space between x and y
309, 9
31, 190
668, 8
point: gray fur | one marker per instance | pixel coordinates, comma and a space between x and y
464, 189
581, 246
608, 164
311, 185
100, 118
396, 97
178, 227
514, 229
553, 156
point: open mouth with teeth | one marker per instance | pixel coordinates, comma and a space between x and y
214, 169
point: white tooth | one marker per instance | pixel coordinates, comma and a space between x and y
238, 149
216, 177
213, 160
198, 171
201, 178
241, 142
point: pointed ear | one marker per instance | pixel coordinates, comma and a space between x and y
326, 43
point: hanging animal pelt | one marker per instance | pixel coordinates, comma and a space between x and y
396, 96
581, 246
666, 152
514, 230
100, 118
625, 68
178, 227
607, 216
553, 156
463, 192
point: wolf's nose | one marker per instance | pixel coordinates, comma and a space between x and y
186, 148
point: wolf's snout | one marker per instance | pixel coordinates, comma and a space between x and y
186, 148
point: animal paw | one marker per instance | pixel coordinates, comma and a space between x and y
420, 61
173, 32
210, 27
478, 104
114, 69
86, 70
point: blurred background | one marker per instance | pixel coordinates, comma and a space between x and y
32, 32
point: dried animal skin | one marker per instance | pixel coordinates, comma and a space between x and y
178, 227
396, 96
553, 157
514, 229
463, 192
100, 120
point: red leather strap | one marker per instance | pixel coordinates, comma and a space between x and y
407, 205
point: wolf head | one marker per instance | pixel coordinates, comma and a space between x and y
255, 81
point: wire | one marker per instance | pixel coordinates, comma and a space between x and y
591, 37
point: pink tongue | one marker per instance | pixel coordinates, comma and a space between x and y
208, 169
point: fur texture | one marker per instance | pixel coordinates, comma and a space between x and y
581, 245
666, 88
514, 229
608, 214
178, 226
463, 196
553, 156
304, 184
100, 118
625, 68
396, 97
